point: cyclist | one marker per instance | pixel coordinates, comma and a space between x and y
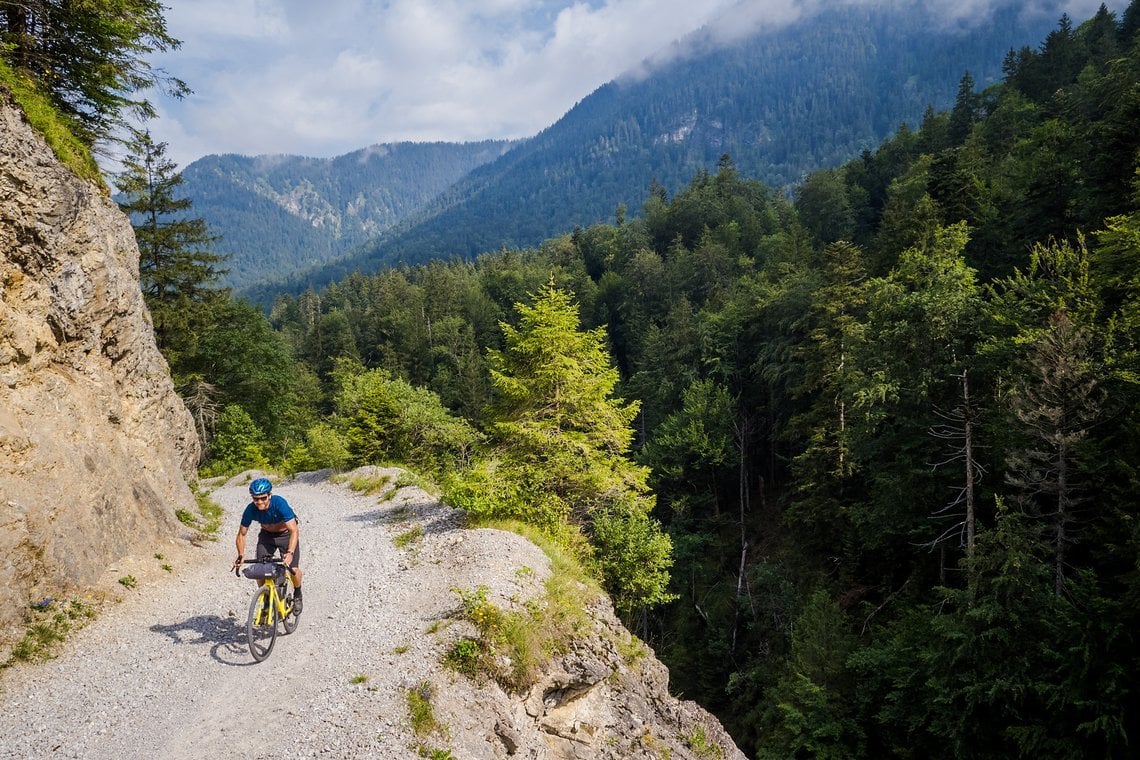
279, 530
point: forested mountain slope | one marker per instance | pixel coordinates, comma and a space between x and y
276, 214
892, 428
780, 104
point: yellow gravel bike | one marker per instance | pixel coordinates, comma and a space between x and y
271, 605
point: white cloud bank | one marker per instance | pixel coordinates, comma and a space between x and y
326, 78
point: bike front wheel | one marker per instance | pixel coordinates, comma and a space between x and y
261, 624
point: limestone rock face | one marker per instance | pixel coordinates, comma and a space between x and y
600, 702
95, 446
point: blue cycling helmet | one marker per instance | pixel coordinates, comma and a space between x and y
260, 486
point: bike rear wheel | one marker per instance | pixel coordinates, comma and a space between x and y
261, 624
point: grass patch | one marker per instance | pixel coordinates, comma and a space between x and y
129, 581
632, 650
435, 754
421, 713
365, 484
402, 649
410, 479
57, 129
358, 678
408, 537
512, 647
48, 624
208, 520
211, 513
406, 479
703, 747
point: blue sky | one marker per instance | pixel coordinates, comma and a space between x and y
325, 78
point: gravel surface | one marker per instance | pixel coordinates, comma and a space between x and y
166, 672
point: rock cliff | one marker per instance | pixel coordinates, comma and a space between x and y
95, 446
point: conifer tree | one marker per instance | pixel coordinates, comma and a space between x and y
556, 416
562, 440
177, 270
90, 57
1057, 408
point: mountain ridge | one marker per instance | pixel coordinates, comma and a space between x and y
780, 105
277, 212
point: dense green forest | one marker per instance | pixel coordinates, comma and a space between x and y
891, 426
859, 464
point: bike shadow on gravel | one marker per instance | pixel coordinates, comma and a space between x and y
224, 635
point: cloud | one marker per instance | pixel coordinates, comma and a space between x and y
324, 79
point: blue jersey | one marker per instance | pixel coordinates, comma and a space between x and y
278, 511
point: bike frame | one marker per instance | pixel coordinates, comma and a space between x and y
275, 597
268, 607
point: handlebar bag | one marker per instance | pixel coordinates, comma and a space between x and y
260, 570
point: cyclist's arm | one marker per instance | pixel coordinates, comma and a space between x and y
239, 542
294, 535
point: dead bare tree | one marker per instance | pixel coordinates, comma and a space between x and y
957, 429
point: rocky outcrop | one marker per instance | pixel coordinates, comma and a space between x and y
603, 695
95, 446
609, 697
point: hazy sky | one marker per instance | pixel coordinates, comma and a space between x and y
325, 77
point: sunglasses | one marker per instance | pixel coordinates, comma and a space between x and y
261, 498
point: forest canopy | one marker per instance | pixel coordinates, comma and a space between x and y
876, 444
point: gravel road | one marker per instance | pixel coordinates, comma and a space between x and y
166, 672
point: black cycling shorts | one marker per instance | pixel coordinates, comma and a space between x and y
268, 543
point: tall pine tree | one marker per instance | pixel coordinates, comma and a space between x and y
561, 454
177, 270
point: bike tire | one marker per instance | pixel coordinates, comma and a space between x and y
261, 624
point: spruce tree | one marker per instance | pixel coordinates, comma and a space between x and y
178, 272
90, 57
560, 459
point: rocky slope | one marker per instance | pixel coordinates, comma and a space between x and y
94, 443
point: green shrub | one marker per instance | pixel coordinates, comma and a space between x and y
237, 445
388, 420
324, 447
634, 555
464, 657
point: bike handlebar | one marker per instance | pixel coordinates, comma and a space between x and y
271, 560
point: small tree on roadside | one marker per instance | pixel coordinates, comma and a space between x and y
560, 455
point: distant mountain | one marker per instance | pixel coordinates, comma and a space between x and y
279, 214
780, 104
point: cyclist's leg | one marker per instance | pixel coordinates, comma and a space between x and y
280, 542
295, 566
